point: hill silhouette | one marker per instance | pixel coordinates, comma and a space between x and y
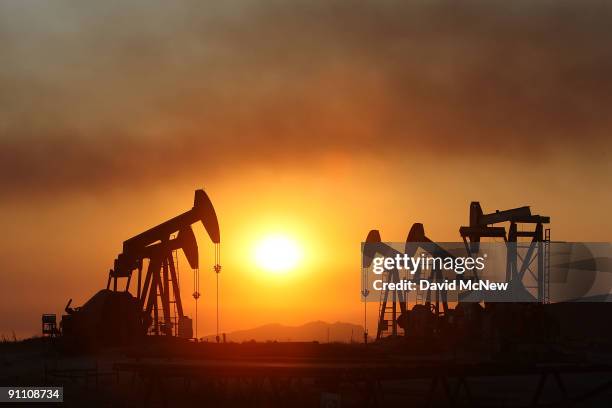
313, 331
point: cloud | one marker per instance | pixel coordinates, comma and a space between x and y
128, 94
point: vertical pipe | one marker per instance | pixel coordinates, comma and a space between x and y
394, 314
152, 276
139, 279
511, 254
165, 297
383, 307
152, 269
540, 238
175, 286
152, 302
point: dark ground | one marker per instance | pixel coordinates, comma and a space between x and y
180, 373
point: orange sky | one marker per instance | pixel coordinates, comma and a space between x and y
62, 248
321, 120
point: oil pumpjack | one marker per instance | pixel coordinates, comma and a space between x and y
389, 300
388, 317
425, 317
114, 315
517, 265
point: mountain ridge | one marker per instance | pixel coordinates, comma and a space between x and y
318, 330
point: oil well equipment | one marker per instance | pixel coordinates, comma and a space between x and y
136, 302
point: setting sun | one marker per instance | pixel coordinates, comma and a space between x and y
277, 253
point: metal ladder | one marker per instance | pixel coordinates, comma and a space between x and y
387, 319
547, 265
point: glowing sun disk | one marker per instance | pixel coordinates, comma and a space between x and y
277, 253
